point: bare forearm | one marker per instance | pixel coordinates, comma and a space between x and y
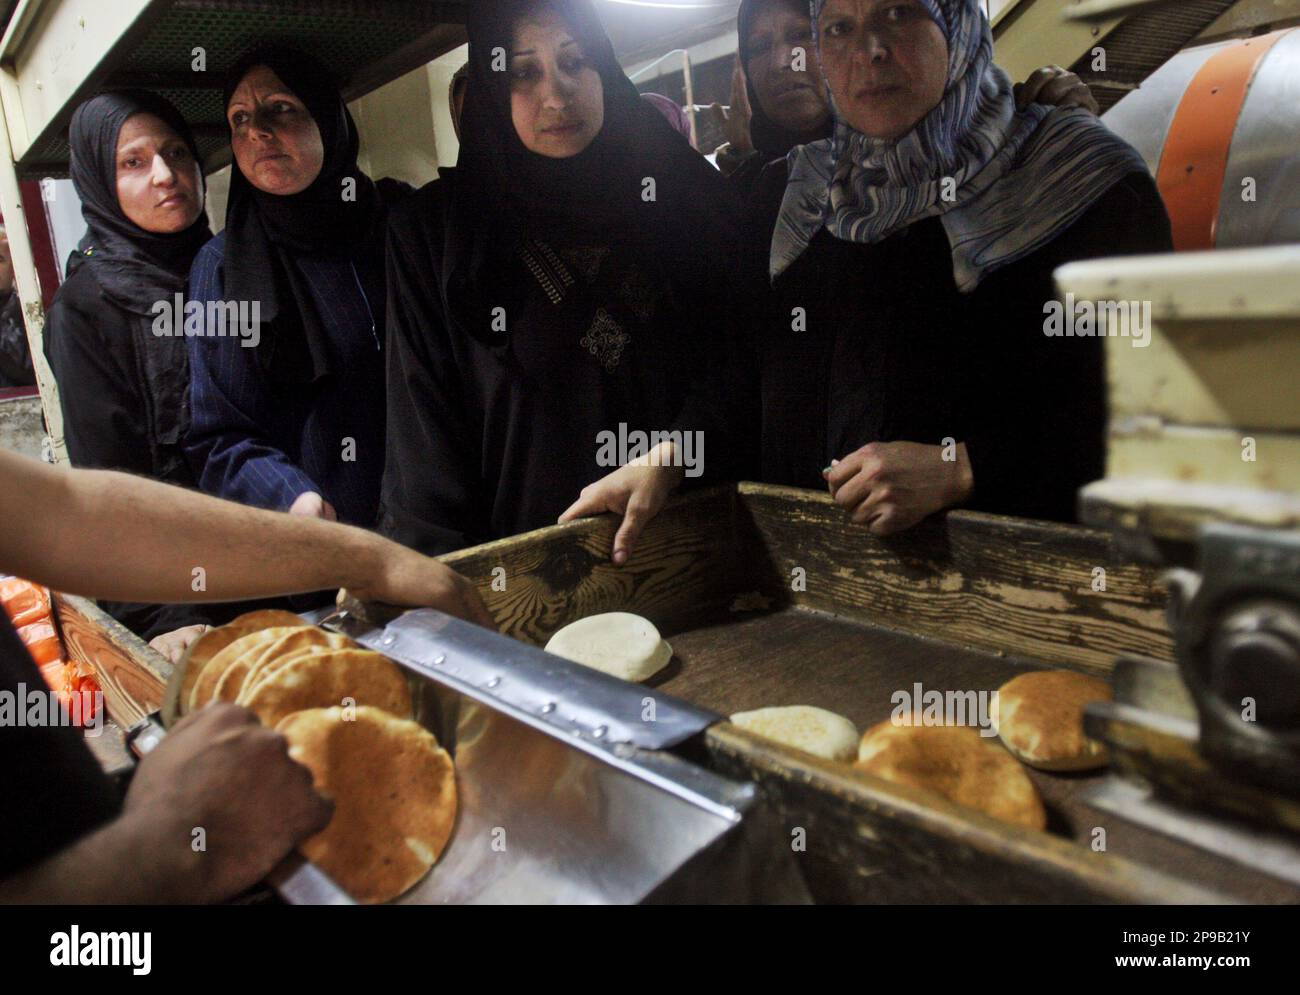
111, 535
110, 866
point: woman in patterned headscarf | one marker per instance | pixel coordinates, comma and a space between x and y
913, 253
574, 275
780, 92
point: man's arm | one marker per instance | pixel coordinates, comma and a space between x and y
218, 770
111, 865
110, 535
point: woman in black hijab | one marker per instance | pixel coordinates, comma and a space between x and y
566, 285
785, 93
289, 405
122, 373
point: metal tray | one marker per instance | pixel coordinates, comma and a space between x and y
570, 804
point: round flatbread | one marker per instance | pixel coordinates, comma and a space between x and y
289, 644
269, 664
337, 677
958, 763
813, 730
617, 643
394, 794
205, 688
215, 640
268, 667
1039, 717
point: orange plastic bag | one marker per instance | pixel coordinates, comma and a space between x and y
42, 642
24, 602
28, 607
69, 681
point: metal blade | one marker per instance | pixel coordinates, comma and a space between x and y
530, 684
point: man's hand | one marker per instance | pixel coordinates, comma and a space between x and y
173, 644
890, 486
221, 772
1056, 86
312, 505
737, 119
411, 580
636, 491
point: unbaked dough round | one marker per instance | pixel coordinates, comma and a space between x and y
617, 643
813, 730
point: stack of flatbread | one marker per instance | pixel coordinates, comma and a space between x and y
346, 712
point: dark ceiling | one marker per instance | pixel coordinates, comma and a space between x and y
365, 42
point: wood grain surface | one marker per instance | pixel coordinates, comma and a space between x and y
870, 841
1000, 584
538, 582
798, 656
133, 676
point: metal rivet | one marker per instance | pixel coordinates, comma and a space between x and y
548, 708
598, 732
439, 661
389, 639
493, 682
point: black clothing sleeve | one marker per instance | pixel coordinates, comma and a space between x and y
53, 790
429, 500
89, 344
722, 398
1051, 389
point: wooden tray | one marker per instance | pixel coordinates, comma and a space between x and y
964, 602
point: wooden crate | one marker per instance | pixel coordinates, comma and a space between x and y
133, 676
963, 602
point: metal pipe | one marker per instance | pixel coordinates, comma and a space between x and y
690, 98
1096, 10
28, 288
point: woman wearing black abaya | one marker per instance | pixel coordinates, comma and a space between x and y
123, 389
572, 276
289, 413
918, 247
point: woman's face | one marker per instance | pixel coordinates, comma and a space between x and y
556, 96
159, 182
275, 139
795, 99
886, 62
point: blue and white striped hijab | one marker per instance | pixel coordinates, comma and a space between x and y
1020, 177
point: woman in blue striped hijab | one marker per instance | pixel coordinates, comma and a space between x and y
912, 254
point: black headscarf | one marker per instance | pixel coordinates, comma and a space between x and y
505, 194
135, 268
770, 139
266, 233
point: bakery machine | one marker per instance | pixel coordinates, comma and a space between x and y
1203, 479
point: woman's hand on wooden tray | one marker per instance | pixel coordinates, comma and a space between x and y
890, 486
636, 491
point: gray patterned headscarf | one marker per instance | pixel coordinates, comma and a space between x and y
1013, 179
